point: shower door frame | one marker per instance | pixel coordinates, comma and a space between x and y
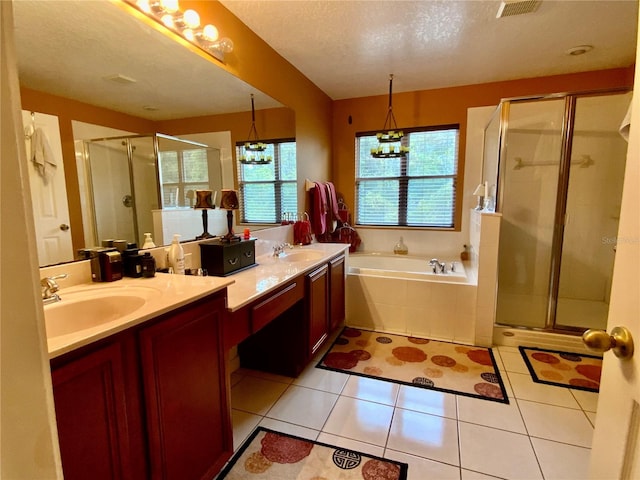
570, 99
125, 139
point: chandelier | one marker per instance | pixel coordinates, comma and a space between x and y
390, 138
253, 149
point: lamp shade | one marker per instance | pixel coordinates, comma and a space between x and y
229, 200
204, 200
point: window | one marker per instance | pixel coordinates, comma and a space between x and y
183, 171
416, 191
267, 191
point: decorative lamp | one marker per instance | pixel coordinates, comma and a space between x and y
252, 149
229, 202
390, 134
204, 202
480, 192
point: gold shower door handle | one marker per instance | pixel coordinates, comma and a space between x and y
620, 341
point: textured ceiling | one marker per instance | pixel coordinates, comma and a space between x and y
348, 48
68, 47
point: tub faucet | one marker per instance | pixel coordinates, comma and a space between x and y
50, 288
437, 265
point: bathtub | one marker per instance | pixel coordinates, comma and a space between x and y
403, 266
401, 294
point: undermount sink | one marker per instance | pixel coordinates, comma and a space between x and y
91, 307
302, 256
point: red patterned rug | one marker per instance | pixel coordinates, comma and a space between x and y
447, 367
563, 369
273, 455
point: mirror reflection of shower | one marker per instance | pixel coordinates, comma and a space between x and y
557, 166
129, 177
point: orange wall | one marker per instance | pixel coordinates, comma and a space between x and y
271, 123
255, 62
444, 106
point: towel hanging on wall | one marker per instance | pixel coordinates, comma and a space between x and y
42, 156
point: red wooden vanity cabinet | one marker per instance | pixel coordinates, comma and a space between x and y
149, 402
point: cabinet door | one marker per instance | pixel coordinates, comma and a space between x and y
317, 307
336, 297
98, 415
188, 420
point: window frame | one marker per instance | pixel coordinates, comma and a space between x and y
181, 184
403, 181
277, 182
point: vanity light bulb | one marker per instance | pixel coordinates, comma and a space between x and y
224, 45
188, 34
144, 6
210, 33
167, 20
169, 5
191, 19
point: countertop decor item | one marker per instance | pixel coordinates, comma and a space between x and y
390, 138
253, 149
204, 202
480, 192
229, 202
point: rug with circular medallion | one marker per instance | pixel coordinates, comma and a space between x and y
563, 369
272, 455
419, 362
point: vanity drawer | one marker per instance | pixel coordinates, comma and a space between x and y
276, 304
247, 253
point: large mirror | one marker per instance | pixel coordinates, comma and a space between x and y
75, 54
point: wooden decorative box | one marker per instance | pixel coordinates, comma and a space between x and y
221, 258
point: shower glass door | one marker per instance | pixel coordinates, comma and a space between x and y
529, 171
598, 156
111, 189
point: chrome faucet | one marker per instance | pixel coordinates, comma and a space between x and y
279, 249
50, 288
437, 265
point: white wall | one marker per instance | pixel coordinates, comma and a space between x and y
29, 444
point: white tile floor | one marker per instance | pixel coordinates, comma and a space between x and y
544, 433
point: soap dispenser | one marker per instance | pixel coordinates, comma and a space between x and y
148, 242
176, 256
400, 248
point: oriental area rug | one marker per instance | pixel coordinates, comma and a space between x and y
271, 455
418, 362
563, 369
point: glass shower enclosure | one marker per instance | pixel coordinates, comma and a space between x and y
555, 167
129, 177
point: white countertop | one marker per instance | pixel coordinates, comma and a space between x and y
270, 273
166, 292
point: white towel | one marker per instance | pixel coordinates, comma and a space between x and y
42, 156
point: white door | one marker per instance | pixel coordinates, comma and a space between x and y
615, 453
49, 197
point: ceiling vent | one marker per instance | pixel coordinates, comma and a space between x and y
508, 8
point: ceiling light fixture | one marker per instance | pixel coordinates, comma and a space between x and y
390, 139
186, 24
253, 149
579, 50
